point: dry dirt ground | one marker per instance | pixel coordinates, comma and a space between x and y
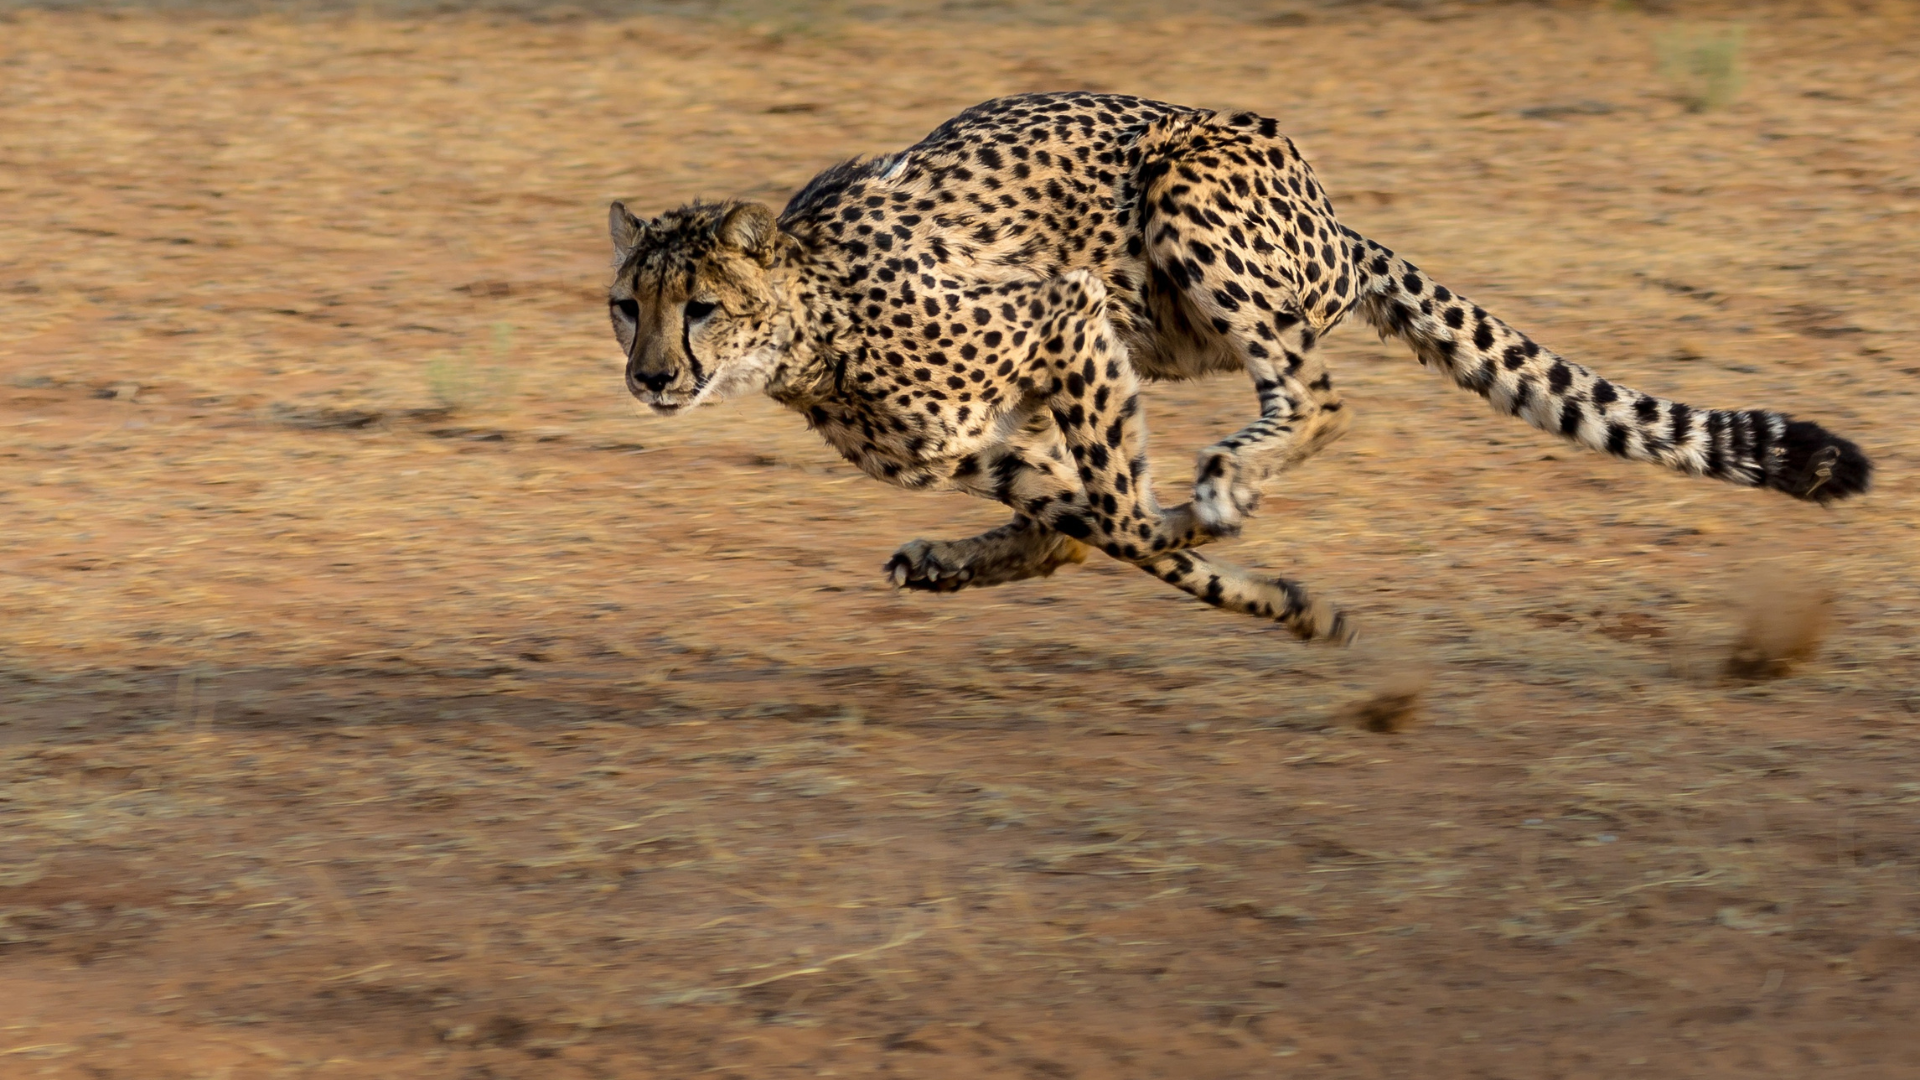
384, 698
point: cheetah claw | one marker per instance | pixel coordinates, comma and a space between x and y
914, 566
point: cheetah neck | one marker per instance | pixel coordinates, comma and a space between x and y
801, 374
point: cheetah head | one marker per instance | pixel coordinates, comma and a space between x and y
694, 303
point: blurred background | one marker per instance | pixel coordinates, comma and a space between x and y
382, 696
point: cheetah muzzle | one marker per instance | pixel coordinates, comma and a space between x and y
979, 312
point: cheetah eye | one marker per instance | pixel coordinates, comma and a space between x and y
698, 309
629, 307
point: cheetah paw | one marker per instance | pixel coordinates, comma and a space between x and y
1222, 499
920, 564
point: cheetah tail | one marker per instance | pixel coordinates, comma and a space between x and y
1750, 447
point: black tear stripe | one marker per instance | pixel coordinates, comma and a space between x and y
686, 346
693, 365
1751, 447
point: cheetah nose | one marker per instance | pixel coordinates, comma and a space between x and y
655, 382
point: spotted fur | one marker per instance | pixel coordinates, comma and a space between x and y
978, 313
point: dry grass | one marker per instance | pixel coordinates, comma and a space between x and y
361, 724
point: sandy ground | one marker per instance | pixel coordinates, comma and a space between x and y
384, 698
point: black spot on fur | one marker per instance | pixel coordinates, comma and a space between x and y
1682, 422
1559, 377
1570, 416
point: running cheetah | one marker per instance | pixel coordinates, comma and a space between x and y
979, 311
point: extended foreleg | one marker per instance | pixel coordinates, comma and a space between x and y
1023, 548
1235, 588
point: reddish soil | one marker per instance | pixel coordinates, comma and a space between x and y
381, 697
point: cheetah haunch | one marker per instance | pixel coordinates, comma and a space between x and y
979, 311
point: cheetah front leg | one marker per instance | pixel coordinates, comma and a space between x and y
1037, 485
1079, 466
1086, 383
1021, 549
1099, 491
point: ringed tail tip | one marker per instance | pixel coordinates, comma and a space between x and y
1818, 466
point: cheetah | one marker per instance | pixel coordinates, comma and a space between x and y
979, 312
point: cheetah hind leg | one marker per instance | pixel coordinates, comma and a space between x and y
1232, 472
1021, 549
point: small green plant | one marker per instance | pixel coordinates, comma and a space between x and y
1702, 65
459, 383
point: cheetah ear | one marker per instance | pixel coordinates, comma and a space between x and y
751, 228
627, 231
